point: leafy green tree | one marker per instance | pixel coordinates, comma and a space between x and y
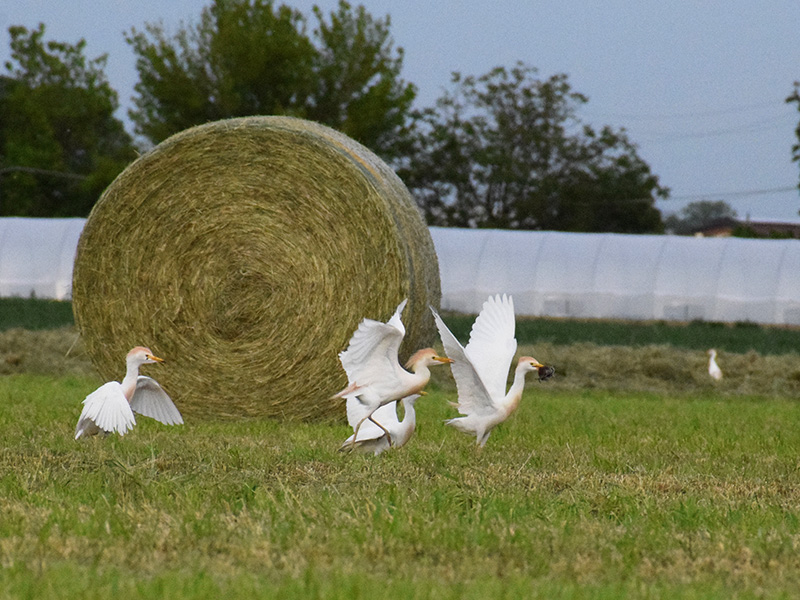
241, 59
507, 150
249, 57
697, 215
60, 144
358, 89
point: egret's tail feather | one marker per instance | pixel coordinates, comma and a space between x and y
348, 391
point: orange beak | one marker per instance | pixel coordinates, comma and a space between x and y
155, 358
443, 359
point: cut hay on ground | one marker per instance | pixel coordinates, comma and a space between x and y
245, 252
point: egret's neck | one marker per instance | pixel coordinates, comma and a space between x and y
421, 376
129, 382
519, 379
514, 394
407, 425
410, 415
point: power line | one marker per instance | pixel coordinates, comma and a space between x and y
754, 127
37, 171
706, 196
744, 194
690, 114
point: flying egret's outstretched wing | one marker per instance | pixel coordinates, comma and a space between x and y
152, 401
108, 409
473, 398
371, 356
492, 344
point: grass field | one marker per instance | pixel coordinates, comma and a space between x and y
630, 474
580, 495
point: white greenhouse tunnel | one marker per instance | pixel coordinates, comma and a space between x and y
554, 274
615, 276
36, 256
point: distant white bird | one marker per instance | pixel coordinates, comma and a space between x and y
111, 406
372, 438
713, 367
374, 374
481, 369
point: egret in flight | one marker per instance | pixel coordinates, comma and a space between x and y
374, 439
111, 406
481, 369
374, 374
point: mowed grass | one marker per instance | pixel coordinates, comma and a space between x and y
630, 474
587, 492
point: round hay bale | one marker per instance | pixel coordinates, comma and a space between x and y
245, 252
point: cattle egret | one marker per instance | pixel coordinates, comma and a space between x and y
372, 438
481, 369
111, 406
713, 367
374, 375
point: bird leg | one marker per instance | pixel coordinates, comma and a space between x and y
482, 438
355, 431
389, 437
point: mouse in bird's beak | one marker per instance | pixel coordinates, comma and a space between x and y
546, 372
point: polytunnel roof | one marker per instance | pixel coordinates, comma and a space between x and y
36, 256
603, 275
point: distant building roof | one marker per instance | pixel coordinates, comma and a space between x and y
717, 228
726, 227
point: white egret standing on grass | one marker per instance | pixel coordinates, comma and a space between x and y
111, 406
371, 437
713, 367
481, 369
374, 375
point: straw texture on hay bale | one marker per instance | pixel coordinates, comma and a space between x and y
245, 252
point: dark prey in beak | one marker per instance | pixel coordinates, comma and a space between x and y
546, 373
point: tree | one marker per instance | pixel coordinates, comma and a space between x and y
241, 59
507, 150
795, 97
358, 88
60, 144
697, 215
249, 57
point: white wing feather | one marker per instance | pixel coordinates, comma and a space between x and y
108, 409
152, 401
396, 320
371, 356
473, 398
492, 344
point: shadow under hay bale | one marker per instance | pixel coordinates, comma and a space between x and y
245, 252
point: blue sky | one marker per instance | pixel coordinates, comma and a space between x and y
700, 86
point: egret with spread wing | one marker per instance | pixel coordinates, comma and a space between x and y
374, 439
374, 375
481, 369
111, 406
